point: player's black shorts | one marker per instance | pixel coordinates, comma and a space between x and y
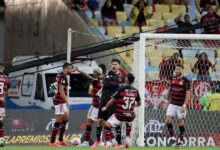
108, 113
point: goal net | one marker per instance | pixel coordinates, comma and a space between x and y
155, 57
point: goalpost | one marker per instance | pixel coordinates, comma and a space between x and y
154, 116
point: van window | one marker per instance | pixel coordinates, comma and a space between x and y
39, 93
79, 85
27, 85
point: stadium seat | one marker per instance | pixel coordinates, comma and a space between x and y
101, 29
217, 60
156, 23
154, 61
157, 16
98, 15
189, 53
131, 30
89, 14
148, 29
218, 53
127, 9
94, 22
152, 75
178, 9
160, 8
113, 30
217, 68
168, 15
121, 16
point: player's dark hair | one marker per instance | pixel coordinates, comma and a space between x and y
103, 67
65, 65
130, 77
116, 60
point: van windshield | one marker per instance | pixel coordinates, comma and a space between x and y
79, 85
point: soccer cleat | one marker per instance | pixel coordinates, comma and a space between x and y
114, 142
117, 146
61, 143
2, 142
53, 144
84, 144
108, 145
96, 143
180, 143
127, 143
172, 142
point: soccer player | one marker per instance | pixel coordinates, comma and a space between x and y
96, 87
126, 98
4, 87
178, 96
111, 83
61, 106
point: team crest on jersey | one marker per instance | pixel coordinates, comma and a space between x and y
181, 82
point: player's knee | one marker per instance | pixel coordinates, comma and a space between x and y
89, 122
168, 120
1, 124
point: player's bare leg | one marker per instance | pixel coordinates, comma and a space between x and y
88, 132
181, 123
55, 130
100, 124
169, 123
62, 129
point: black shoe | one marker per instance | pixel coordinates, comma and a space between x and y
172, 142
180, 143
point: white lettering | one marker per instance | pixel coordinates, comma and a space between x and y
201, 141
192, 141
210, 142
151, 141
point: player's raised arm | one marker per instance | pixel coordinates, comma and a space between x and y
90, 78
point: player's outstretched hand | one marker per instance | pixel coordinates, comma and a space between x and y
104, 108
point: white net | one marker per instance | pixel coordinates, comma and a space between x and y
201, 60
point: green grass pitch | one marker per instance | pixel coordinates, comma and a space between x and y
88, 148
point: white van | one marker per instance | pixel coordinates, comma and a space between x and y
29, 87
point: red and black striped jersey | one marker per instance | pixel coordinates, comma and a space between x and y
97, 87
126, 97
178, 90
4, 87
61, 80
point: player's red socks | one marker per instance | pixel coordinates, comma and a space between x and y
170, 130
55, 131
88, 132
182, 130
118, 134
107, 134
128, 130
98, 133
62, 129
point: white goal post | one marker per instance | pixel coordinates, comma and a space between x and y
154, 39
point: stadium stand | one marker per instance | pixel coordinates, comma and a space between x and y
159, 17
